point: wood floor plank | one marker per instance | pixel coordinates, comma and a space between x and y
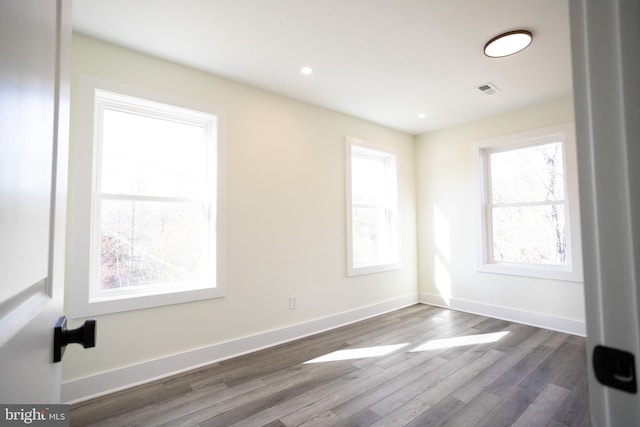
550, 368
199, 399
460, 377
346, 393
511, 378
325, 419
365, 417
403, 414
474, 411
497, 371
509, 409
517, 335
530, 376
571, 375
543, 408
253, 409
437, 414
556, 339
298, 401
575, 410
381, 392
425, 382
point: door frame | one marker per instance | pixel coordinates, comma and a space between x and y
606, 65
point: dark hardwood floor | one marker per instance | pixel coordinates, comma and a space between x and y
437, 372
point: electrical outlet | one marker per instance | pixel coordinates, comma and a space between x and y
292, 303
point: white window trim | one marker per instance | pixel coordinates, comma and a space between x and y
573, 270
392, 264
81, 200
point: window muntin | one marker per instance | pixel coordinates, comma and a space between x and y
372, 230
529, 197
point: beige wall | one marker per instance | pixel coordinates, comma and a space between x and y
285, 217
446, 181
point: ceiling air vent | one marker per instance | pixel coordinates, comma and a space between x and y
488, 88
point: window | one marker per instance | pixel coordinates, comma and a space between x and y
372, 208
153, 204
529, 205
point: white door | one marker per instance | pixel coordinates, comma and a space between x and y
34, 92
606, 63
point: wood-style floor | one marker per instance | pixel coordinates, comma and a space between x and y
528, 377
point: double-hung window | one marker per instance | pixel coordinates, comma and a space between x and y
529, 205
372, 208
152, 208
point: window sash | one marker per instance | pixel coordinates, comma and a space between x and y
542, 244
207, 249
376, 251
164, 112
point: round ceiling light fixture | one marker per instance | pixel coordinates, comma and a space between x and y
508, 43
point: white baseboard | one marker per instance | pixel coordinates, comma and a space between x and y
118, 379
541, 320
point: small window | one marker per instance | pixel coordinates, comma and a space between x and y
372, 208
153, 210
529, 199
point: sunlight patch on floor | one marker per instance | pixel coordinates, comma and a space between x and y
358, 353
461, 341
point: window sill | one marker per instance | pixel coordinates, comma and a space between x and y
121, 303
358, 271
533, 271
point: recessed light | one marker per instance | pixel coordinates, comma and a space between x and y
306, 70
422, 115
508, 43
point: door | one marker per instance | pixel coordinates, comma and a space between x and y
35, 40
606, 63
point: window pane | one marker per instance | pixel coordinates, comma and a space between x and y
532, 234
371, 237
149, 156
368, 184
143, 243
531, 174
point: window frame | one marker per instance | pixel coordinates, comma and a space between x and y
86, 199
391, 207
565, 134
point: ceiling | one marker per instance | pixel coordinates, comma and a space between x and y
384, 61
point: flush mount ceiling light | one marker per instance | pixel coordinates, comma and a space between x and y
508, 43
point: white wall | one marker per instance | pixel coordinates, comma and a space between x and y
446, 182
286, 229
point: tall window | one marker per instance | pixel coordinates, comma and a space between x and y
153, 204
372, 208
529, 192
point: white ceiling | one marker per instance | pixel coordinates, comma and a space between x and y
381, 60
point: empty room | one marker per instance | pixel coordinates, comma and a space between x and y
322, 213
